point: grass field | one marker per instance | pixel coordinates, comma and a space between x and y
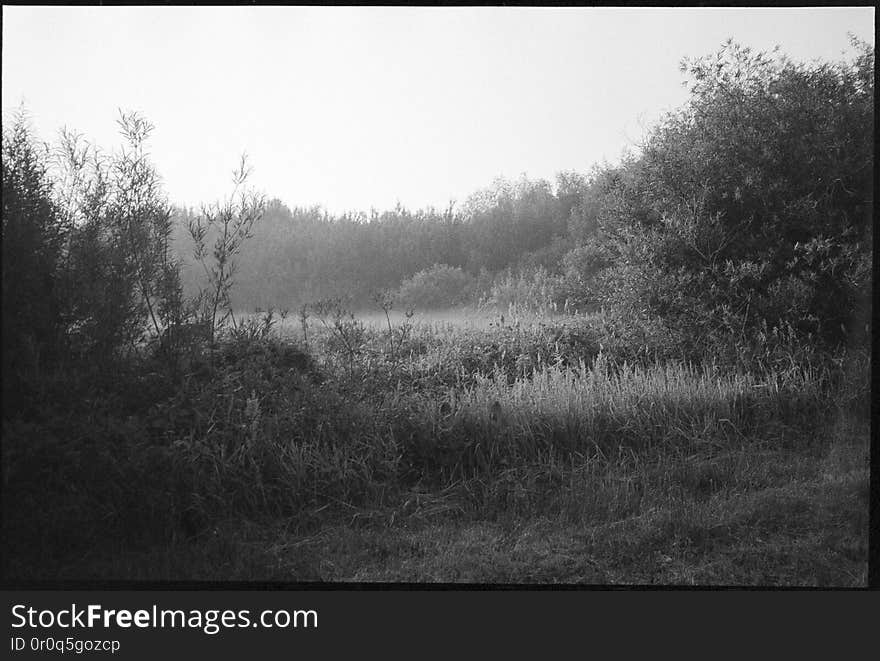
450, 448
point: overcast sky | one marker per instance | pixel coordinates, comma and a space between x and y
355, 108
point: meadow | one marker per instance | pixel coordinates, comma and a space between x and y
654, 372
450, 448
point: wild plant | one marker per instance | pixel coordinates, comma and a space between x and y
348, 331
119, 276
304, 323
180, 336
229, 224
385, 300
258, 327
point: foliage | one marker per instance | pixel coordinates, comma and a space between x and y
88, 269
34, 237
260, 326
581, 286
385, 300
347, 332
437, 287
305, 254
121, 277
749, 211
513, 218
230, 224
524, 291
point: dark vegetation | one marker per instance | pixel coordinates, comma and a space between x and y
689, 405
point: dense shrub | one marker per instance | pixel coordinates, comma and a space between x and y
580, 287
440, 286
748, 212
135, 457
121, 280
33, 243
86, 265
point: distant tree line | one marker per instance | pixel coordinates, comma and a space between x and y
304, 254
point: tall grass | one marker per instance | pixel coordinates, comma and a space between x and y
257, 428
604, 409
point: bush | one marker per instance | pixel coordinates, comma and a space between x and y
33, 240
440, 286
580, 286
750, 210
121, 280
132, 458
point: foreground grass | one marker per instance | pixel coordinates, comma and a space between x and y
740, 517
255, 462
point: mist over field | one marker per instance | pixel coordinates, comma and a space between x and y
647, 371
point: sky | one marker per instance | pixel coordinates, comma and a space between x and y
359, 108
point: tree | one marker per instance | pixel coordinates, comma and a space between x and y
34, 236
750, 209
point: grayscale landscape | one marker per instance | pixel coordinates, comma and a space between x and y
458, 314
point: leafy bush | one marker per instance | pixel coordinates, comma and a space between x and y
440, 286
87, 270
33, 243
134, 457
580, 285
121, 278
749, 211
227, 226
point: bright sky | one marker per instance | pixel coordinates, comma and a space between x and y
355, 108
